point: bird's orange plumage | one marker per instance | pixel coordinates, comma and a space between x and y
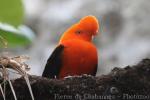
87, 26
78, 58
79, 55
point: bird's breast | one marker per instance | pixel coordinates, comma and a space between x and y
79, 57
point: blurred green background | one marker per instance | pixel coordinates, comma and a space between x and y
11, 24
33, 27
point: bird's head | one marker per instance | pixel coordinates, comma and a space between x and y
85, 29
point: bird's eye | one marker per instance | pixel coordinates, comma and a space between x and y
78, 32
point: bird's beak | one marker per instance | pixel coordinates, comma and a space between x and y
92, 37
95, 33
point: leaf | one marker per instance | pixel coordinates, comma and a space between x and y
11, 12
16, 37
12, 33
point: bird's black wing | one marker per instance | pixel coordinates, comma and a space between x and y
54, 63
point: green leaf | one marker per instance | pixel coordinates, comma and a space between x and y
11, 12
11, 31
15, 37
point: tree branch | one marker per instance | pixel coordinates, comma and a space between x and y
131, 82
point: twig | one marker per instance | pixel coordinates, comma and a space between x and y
12, 89
29, 86
2, 92
17, 64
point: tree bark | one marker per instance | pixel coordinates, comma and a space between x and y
129, 83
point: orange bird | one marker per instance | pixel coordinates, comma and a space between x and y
75, 54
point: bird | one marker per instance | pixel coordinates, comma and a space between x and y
75, 53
